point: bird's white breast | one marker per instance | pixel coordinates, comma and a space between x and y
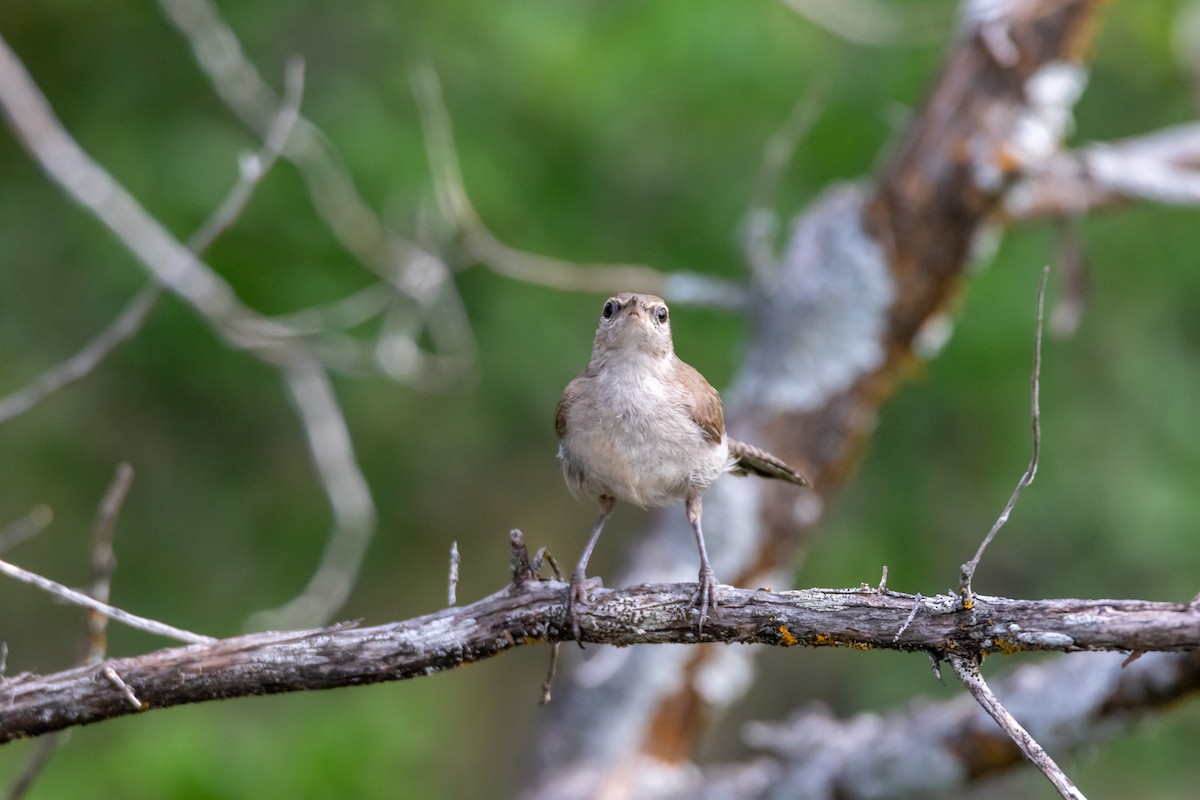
631, 436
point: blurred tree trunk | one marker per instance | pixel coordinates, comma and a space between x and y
867, 267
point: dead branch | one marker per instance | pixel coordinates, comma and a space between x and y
80, 599
418, 278
967, 571
484, 247
967, 670
1162, 166
531, 610
943, 748
179, 269
96, 641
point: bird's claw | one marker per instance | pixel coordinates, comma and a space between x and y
705, 597
576, 595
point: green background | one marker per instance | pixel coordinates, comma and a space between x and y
616, 131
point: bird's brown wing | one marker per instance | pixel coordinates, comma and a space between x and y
701, 401
569, 396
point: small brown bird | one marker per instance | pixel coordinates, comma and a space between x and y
640, 425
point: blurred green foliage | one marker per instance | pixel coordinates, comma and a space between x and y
592, 131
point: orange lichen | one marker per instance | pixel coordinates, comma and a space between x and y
788, 639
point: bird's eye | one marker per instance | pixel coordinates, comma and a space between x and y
660, 314
610, 308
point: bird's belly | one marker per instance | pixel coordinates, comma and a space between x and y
625, 460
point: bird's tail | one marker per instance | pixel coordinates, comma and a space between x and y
749, 460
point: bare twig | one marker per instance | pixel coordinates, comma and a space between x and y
115, 679
103, 565
761, 221
875, 23
341, 314
23, 529
1162, 167
182, 272
452, 589
484, 247
46, 747
968, 569
78, 366
967, 670
80, 599
103, 562
252, 169
416, 275
909, 619
550, 670
254, 166
1073, 282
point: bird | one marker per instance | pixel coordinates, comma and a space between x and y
641, 426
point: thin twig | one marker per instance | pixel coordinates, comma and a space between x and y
875, 23
967, 670
484, 247
81, 599
133, 315
172, 264
95, 643
103, 561
1160, 167
126, 690
45, 749
22, 530
912, 615
550, 671
256, 165
761, 222
968, 569
452, 590
81, 364
415, 275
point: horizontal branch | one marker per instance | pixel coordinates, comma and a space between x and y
530, 611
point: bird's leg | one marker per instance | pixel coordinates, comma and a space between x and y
577, 593
706, 585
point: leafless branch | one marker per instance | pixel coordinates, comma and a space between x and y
103, 561
95, 647
47, 746
452, 582
78, 366
182, 272
484, 247
968, 569
1162, 167
23, 529
416, 275
81, 599
945, 748
967, 670
252, 169
875, 23
530, 610
761, 222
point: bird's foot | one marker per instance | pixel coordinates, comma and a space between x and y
576, 596
705, 598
